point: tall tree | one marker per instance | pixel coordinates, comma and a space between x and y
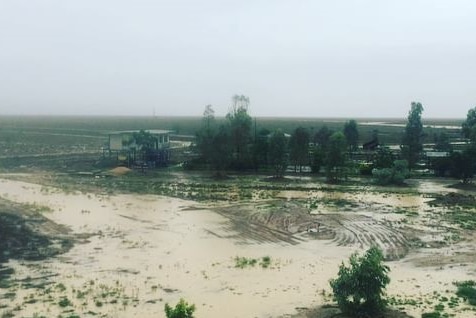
464, 163
260, 147
335, 157
299, 148
469, 126
322, 136
278, 153
319, 150
206, 134
221, 150
240, 129
351, 133
412, 141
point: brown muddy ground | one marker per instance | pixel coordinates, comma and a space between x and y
145, 250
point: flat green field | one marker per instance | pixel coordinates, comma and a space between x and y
30, 135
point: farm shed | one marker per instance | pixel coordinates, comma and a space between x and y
124, 147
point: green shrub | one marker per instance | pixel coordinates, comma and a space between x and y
394, 175
359, 288
434, 314
181, 310
467, 291
65, 302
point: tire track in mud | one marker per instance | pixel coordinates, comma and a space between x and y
293, 224
364, 231
246, 230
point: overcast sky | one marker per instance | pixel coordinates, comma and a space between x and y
347, 58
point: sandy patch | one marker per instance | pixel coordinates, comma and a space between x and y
146, 250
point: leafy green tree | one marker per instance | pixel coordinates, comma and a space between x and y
351, 134
441, 166
322, 137
206, 134
221, 150
181, 310
383, 158
442, 142
299, 148
146, 144
336, 157
469, 126
319, 151
359, 287
463, 164
412, 141
393, 175
318, 159
240, 129
278, 156
260, 147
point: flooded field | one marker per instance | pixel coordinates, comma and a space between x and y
135, 252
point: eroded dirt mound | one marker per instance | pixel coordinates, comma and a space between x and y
26, 234
119, 171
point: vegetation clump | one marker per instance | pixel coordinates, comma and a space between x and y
359, 287
394, 175
467, 291
181, 310
242, 262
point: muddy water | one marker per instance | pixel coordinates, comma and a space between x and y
151, 250
161, 249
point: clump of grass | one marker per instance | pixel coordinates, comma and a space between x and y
65, 302
467, 291
242, 262
265, 262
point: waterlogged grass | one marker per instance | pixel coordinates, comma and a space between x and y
440, 304
243, 262
92, 297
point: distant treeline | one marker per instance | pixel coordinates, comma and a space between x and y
100, 125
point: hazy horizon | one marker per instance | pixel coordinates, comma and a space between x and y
343, 118
319, 59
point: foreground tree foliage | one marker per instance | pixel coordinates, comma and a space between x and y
359, 287
412, 141
181, 310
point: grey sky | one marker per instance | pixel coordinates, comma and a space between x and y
350, 58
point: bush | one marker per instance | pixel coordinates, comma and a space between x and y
394, 175
359, 288
467, 291
181, 310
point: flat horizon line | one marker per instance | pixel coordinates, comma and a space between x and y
222, 117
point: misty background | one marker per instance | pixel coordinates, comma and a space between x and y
367, 58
